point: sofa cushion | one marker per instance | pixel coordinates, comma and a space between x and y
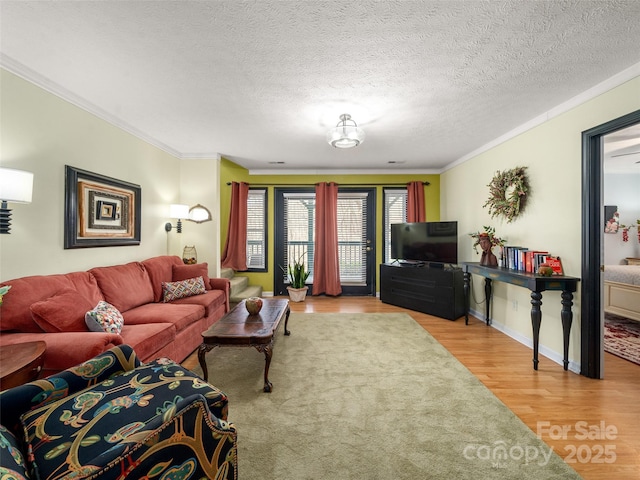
12, 462
185, 272
16, 314
184, 288
211, 301
179, 315
59, 355
63, 312
124, 286
160, 269
148, 339
104, 318
86, 285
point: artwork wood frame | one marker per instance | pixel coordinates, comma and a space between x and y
100, 211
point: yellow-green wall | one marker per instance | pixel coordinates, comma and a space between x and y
229, 172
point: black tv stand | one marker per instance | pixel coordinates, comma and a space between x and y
410, 263
434, 290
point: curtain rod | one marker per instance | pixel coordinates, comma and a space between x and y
339, 184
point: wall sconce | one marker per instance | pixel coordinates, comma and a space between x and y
199, 214
179, 212
16, 186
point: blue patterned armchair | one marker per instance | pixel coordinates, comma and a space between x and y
115, 418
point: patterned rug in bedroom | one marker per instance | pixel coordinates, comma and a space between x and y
622, 337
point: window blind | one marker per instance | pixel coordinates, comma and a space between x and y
256, 228
299, 227
352, 241
395, 211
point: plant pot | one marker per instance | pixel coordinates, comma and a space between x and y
297, 294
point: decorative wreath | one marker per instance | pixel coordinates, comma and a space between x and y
507, 193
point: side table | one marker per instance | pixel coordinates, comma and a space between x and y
20, 363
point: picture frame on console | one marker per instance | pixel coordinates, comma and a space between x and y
100, 211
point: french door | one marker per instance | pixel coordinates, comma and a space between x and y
295, 235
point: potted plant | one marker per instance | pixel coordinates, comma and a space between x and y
297, 277
487, 239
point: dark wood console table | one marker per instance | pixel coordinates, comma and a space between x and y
537, 284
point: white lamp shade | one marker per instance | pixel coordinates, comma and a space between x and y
178, 211
16, 185
346, 133
199, 214
345, 137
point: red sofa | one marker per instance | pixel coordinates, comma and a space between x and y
152, 327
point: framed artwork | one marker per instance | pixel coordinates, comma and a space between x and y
100, 211
611, 219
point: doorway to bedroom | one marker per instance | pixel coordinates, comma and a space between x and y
621, 243
593, 226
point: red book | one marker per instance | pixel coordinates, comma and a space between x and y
530, 264
555, 263
528, 261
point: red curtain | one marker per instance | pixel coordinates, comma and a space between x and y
326, 269
415, 202
235, 250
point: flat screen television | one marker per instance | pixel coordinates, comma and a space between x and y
425, 242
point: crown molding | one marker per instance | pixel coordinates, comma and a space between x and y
45, 83
603, 87
344, 172
52, 87
201, 156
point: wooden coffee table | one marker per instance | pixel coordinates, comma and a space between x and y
239, 329
21, 363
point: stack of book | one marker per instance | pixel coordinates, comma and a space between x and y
526, 260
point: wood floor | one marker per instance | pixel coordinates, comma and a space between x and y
600, 418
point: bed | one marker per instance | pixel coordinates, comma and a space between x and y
622, 290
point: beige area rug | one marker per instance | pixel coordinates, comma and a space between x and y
371, 396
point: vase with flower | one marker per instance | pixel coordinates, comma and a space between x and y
487, 239
626, 228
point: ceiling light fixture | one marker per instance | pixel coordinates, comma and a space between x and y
346, 133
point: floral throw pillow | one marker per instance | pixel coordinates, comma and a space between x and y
184, 288
104, 318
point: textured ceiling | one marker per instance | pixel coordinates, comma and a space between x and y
261, 82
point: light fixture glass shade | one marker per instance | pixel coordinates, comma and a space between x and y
199, 214
346, 134
178, 211
16, 185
